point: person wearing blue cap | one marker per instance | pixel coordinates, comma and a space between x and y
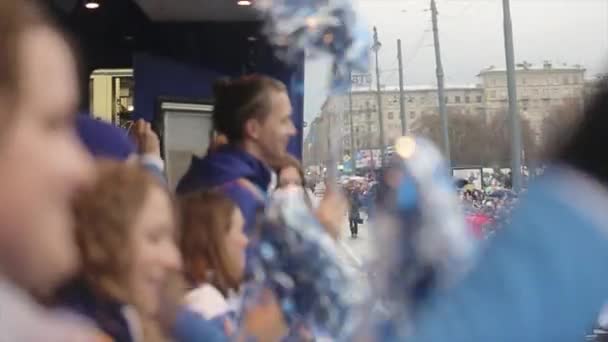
103, 140
107, 141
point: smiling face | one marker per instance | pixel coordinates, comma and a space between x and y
154, 251
271, 132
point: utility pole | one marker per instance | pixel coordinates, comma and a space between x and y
353, 149
331, 162
376, 48
370, 137
513, 110
401, 90
441, 87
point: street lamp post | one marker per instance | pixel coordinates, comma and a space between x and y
440, 86
376, 47
513, 109
353, 148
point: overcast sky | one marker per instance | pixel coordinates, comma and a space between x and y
471, 33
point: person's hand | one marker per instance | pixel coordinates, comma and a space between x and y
264, 320
229, 327
146, 139
331, 211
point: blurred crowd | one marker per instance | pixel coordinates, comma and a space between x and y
486, 210
95, 247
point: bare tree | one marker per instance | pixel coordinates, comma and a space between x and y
475, 140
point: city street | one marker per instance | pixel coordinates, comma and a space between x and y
355, 253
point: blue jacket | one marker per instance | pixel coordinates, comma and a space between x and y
192, 327
108, 315
220, 170
543, 278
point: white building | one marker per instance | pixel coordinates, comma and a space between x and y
325, 132
419, 101
540, 89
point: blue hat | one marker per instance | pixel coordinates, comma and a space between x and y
103, 139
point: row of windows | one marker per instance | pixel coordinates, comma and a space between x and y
536, 102
544, 93
556, 80
467, 99
456, 99
371, 106
366, 142
392, 116
368, 117
364, 129
373, 128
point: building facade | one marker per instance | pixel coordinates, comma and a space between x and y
325, 133
332, 128
540, 89
419, 101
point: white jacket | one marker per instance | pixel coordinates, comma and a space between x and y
209, 302
21, 319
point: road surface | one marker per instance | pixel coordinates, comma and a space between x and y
355, 254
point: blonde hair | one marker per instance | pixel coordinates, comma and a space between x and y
104, 215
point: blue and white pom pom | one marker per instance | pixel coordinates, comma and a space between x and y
420, 227
295, 258
316, 27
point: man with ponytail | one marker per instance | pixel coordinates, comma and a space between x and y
254, 114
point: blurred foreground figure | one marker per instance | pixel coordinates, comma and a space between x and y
296, 259
293, 195
42, 166
421, 234
539, 281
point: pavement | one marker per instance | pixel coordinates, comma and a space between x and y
355, 254
355, 251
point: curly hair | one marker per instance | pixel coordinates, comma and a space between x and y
206, 220
104, 214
